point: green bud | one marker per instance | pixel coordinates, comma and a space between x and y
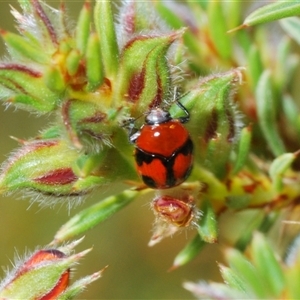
93, 215
144, 80
94, 66
54, 79
104, 24
44, 166
278, 167
27, 88
72, 62
208, 225
21, 48
219, 124
86, 124
83, 27
50, 270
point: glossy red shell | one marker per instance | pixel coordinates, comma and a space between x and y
164, 154
163, 139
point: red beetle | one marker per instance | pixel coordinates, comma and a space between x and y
164, 150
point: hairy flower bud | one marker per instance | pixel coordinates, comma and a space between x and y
45, 275
176, 211
172, 213
145, 80
45, 166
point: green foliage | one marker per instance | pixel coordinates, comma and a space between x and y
98, 79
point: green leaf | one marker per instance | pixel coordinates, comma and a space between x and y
292, 27
79, 286
253, 223
214, 291
272, 12
291, 112
93, 215
208, 225
218, 28
234, 10
190, 40
243, 149
286, 65
278, 167
255, 66
267, 266
267, 113
189, 252
232, 278
254, 283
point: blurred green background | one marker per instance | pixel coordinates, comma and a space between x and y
135, 270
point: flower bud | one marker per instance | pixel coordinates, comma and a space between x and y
39, 268
86, 124
26, 88
45, 275
144, 80
175, 211
219, 125
172, 214
22, 48
45, 166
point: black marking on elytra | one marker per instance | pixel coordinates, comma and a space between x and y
168, 162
